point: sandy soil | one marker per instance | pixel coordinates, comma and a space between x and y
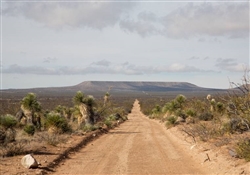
138, 146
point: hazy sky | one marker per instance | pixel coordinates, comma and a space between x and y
56, 43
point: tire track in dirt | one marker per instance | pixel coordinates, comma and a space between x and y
138, 146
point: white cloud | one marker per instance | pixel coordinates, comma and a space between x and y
194, 20
213, 19
191, 20
230, 64
141, 27
97, 15
102, 67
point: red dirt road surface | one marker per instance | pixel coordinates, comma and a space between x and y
138, 146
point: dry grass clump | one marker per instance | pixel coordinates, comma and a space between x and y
243, 149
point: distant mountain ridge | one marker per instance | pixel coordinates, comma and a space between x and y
101, 87
134, 86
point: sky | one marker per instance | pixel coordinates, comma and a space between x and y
63, 43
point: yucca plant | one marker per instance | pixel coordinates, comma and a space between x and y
30, 102
85, 105
30, 106
7, 131
56, 123
106, 99
8, 121
29, 129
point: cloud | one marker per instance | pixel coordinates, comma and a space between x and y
194, 20
102, 67
49, 60
191, 20
102, 63
230, 64
37, 70
94, 14
141, 27
212, 19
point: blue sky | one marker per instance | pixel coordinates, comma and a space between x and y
55, 43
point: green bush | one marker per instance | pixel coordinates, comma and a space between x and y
108, 123
243, 149
8, 121
180, 113
156, 110
171, 121
55, 120
88, 128
29, 129
191, 112
220, 107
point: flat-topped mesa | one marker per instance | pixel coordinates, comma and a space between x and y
102, 87
135, 86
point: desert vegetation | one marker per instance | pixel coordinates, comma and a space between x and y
53, 121
223, 119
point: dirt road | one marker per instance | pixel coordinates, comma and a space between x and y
139, 146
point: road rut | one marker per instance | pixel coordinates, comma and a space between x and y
138, 146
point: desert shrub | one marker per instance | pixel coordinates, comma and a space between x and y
8, 121
2, 136
156, 110
8, 133
13, 149
88, 128
180, 113
191, 112
199, 106
243, 149
55, 120
53, 139
220, 107
204, 131
180, 99
175, 106
236, 125
171, 121
108, 123
29, 129
171, 106
206, 116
